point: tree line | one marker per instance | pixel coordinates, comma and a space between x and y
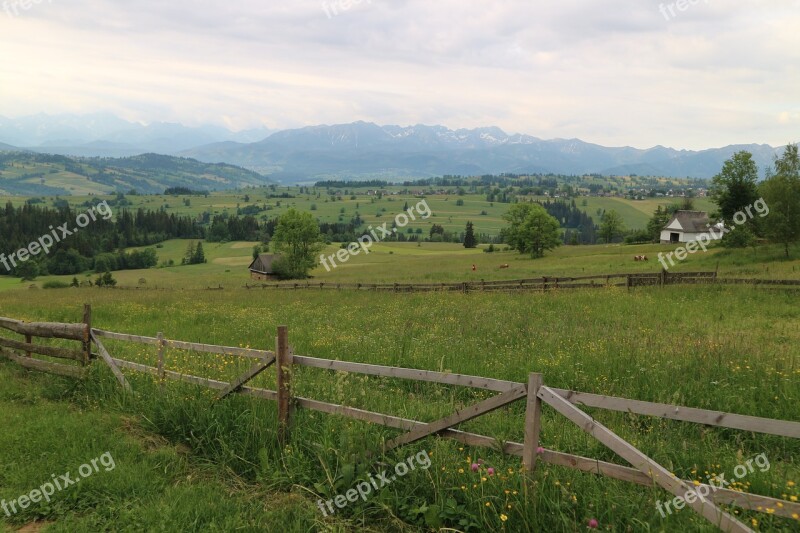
99, 246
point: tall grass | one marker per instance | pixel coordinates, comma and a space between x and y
728, 349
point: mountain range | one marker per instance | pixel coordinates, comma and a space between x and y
105, 135
364, 150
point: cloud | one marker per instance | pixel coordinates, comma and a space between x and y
615, 72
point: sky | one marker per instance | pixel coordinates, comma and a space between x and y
687, 74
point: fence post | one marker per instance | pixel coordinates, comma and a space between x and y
161, 346
28, 340
87, 337
284, 384
533, 422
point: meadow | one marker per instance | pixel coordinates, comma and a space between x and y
723, 348
487, 216
727, 348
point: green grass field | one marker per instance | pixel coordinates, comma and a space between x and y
194, 464
719, 348
392, 262
373, 210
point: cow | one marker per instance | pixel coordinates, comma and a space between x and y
504, 265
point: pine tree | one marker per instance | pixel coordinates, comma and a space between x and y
190, 252
469, 237
199, 256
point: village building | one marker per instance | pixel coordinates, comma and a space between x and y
261, 268
688, 226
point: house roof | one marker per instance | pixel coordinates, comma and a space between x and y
263, 263
689, 221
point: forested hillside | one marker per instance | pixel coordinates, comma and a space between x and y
31, 174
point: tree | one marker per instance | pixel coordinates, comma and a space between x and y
187, 258
297, 239
28, 270
781, 192
199, 256
469, 237
611, 226
734, 188
106, 280
660, 218
532, 230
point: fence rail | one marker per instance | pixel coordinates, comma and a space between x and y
643, 469
639, 279
22, 351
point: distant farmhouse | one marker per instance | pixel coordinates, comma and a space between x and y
261, 268
688, 226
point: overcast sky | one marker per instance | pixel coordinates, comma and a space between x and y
616, 72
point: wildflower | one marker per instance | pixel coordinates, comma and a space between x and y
593, 524
490, 471
540, 450
503, 517
475, 467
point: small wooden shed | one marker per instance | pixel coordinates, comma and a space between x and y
261, 268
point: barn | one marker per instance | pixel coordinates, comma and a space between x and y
688, 226
262, 267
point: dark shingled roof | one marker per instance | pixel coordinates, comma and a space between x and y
263, 264
691, 221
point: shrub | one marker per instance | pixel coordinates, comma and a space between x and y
55, 284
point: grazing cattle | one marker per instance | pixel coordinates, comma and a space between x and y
505, 265
640, 258
474, 268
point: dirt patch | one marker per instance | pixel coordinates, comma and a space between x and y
151, 441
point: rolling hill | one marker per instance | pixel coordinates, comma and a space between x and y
33, 174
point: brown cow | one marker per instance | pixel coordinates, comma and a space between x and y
505, 265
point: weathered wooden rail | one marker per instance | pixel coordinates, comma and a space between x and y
22, 351
536, 284
642, 470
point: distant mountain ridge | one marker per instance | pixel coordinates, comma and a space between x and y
366, 150
105, 135
362, 150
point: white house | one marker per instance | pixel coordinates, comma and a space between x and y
687, 226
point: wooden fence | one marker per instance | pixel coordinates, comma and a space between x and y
22, 351
537, 284
643, 470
